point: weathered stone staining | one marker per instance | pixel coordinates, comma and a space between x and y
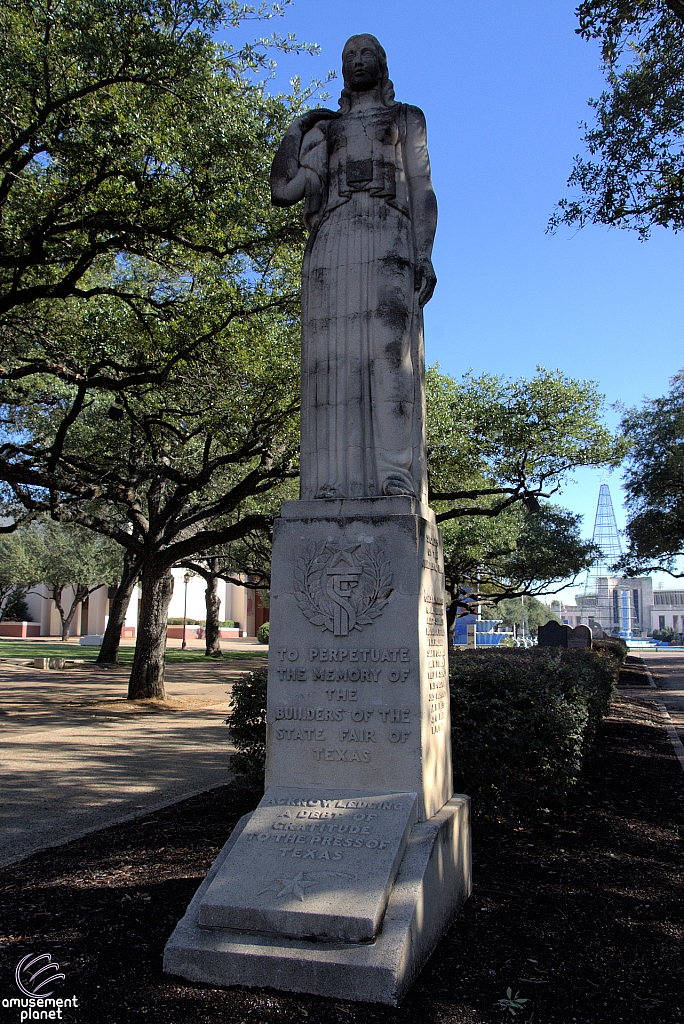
357, 858
376, 696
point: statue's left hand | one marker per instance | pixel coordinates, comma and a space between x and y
426, 279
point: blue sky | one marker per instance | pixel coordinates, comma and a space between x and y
504, 86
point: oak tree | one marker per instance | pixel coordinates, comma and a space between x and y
633, 174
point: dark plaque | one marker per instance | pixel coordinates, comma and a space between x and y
553, 635
580, 638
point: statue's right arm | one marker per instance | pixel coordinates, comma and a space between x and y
288, 177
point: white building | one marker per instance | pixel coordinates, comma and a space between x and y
647, 608
240, 604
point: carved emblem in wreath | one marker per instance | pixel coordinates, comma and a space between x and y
342, 589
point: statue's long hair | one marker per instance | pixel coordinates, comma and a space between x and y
386, 87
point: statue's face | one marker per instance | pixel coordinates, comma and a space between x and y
360, 64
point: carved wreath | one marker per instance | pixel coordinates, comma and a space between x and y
342, 589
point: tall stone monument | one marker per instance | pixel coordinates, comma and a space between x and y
357, 858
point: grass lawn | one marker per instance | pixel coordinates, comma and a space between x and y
25, 650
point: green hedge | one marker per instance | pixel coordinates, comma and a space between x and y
613, 645
521, 720
247, 723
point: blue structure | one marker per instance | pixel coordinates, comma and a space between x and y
487, 635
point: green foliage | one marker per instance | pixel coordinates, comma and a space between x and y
66, 556
520, 722
17, 572
515, 552
247, 723
16, 609
614, 646
633, 176
532, 613
498, 449
654, 481
127, 133
262, 633
519, 437
512, 1003
667, 635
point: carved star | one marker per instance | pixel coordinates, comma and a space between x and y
296, 886
341, 555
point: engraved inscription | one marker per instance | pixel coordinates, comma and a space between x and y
433, 555
342, 665
436, 662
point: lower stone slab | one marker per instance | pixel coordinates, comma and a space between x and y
312, 864
432, 884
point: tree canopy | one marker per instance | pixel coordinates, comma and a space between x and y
526, 612
498, 451
134, 151
654, 482
495, 442
633, 175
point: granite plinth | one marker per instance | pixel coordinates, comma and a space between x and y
312, 864
432, 884
358, 662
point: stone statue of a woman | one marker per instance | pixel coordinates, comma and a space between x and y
364, 173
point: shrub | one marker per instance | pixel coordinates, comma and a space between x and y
520, 722
227, 624
247, 723
16, 610
667, 634
262, 633
613, 645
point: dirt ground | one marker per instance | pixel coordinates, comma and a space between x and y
582, 915
75, 755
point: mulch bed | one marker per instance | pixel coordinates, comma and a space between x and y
582, 915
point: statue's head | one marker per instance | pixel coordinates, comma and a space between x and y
364, 67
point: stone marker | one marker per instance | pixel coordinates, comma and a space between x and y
580, 637
311, 853
553, 634
357, 858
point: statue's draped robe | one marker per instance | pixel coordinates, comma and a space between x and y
363, 401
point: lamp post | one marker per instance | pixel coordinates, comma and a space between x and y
186, 579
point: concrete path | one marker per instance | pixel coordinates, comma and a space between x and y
667, 670
75, 756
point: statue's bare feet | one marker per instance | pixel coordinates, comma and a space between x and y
328, 491
396, 486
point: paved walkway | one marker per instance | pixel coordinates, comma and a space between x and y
76, 756
667, 670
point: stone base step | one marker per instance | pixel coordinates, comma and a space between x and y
433, 882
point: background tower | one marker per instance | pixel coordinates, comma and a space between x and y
598, 601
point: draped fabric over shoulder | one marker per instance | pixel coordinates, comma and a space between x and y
363, 417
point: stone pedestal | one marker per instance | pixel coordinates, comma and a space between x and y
357, 858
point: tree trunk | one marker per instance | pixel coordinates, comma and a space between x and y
109, 652
80, 594
147, 675
451, 613
57, 598
213, 630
